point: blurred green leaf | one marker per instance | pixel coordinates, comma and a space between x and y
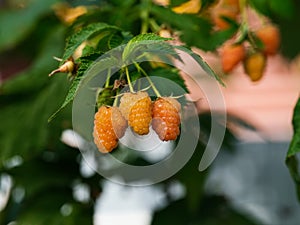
295, 144
289, 35
35, 77
294, 148
213, 210
283, 14
48, 208
194, 30
28, 99
48, 169
47, 181
177, 2
16, 24
283, 9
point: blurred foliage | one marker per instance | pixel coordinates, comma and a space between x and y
49, 169
285, 15
291, 158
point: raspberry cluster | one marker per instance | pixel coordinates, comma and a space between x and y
253, 54
139, 112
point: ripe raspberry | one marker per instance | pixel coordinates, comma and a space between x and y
270, 37
109, 126
137, 109
166, 118
254, 65
231, 55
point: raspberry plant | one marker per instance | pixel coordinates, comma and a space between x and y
79, 33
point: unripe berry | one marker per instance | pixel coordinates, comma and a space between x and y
254, 65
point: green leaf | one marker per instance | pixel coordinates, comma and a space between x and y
85, 63
84, 34
140, 41
91, 64
162, 50
294, 148
293, 166
202, 63
115, 40
15, 25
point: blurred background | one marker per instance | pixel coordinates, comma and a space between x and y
45, 180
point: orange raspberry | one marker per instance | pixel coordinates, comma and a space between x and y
109, 126
231, 55
270, 37
254, 65
137, 109
166, 118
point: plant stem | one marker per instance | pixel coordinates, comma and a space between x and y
128, 80
148, 78
116, 99
154, 26
243, 10
108, 77
145, 16
245, 22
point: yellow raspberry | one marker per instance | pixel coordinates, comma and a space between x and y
166, 118
137, 109
140, 116
109, 126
